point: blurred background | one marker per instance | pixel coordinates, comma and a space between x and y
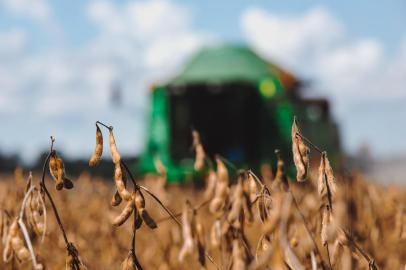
66, 64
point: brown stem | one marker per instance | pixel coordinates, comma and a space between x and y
328, 256
310, 143
179, 214
106, 126
44, 188
371, 261
132, 250
307, 228
69, 246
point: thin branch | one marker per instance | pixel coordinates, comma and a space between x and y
106, 126
307, 227
229, 163
69, 246
44, 188
371, 261
310, 143
208, 256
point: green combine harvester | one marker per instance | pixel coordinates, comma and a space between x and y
241, 105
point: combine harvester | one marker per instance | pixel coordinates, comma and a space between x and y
241, 105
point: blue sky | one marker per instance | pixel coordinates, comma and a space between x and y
59, 58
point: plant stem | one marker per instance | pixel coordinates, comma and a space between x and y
69, 246
307, 227
310, 143
106, 126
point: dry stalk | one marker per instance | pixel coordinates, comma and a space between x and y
73, 260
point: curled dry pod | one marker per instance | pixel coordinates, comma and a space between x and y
199, 151
125, 214
140, 204
120, 185
330, 176
98, 151
53, 170
300, 153
115, 155
326, 182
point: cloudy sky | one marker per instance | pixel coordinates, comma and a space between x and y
58, 60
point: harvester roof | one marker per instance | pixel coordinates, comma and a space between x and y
230, 64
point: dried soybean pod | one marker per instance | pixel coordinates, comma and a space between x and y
66, 183
115, 155
330, 176
199, 151
98, 151
125, 214
221, 190
55, 173
17, 242
140, 204
300, 153
116, 200
326, 182
148, 219
120, 185
188, 242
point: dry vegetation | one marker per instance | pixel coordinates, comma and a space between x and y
321, 221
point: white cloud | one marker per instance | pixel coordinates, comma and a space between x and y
12, 42
354, 72
64, 92
36, 9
